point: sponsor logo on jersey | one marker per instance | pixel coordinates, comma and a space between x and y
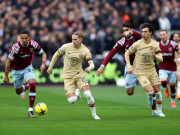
24, 56
170, 49
167, 54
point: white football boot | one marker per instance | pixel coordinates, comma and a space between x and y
96, 117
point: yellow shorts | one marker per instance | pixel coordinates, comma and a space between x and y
149, 78
71, 83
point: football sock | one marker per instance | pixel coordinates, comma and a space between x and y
173, 91
90, 101
154, 102
25, 87
172, 100
159, 101
30, 109
32, 94
72, 99
150, 97
164, 84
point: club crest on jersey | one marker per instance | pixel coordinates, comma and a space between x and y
31, 49
127, 46
80, 55
170, 49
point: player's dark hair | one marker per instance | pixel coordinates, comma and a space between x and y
172, 35
25, 32
127, 24
148, 25
79, 33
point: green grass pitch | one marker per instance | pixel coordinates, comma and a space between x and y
120, 114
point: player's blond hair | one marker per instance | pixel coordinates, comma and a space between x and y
79, 33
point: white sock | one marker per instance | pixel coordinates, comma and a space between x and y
90, 101
72, 99
30, 109
150, 95
172, 100
159, 101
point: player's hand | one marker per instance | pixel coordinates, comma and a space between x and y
42, 68
88, 70
49, 72
99, 71
152, 53
175, 60
6, 79
130, 70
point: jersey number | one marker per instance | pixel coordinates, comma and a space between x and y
84, 79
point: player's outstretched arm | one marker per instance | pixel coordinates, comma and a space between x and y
7, 69
42, 68
91, 66
53, 61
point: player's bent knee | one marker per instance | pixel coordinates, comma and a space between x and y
72, 99
130, 93
18, 91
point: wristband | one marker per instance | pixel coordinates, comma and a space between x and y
178, 59
102, 66
6, 73
44, 62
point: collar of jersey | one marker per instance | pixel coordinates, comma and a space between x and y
129, 38
165, 43
25, 45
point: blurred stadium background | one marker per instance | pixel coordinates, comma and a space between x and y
51, 23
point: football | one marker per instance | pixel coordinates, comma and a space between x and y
41, 109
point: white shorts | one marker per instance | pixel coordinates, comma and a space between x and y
130, 79
169, 75
20, 75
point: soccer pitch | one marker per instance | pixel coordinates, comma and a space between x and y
120, 114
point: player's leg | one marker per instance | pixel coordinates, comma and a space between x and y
144, 82
155, 82
25, 87
84, 86
172, 81
91, 101
130, 82
178, 85
163, 75
29, 77
18, 81
158, 100
178, 81
69, 86
154, 113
